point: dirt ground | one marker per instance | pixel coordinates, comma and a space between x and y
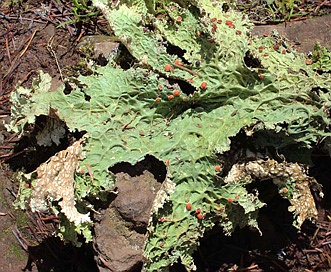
30, 40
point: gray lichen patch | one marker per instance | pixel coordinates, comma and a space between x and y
291, 178
55, 182
53, 132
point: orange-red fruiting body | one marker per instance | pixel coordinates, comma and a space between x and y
168, 68
178, 62
200, 216
217, 168
176, 92
308, 62
230, 24
203, 85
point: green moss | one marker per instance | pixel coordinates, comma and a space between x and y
17, 251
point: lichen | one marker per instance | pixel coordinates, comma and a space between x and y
228, 82
291, 178
55, 182
53, 132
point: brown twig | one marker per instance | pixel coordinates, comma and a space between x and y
302, 18
90, 172
34, 234
321, 5
15, 61
8, 31
126, 125
11, 155
29, 42
187, 70
80, 35
6, 147
49, 218
13, 138
20, 239
11, 215
7, 50
26, 76
25, 19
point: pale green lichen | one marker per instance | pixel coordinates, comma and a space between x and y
252, 86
